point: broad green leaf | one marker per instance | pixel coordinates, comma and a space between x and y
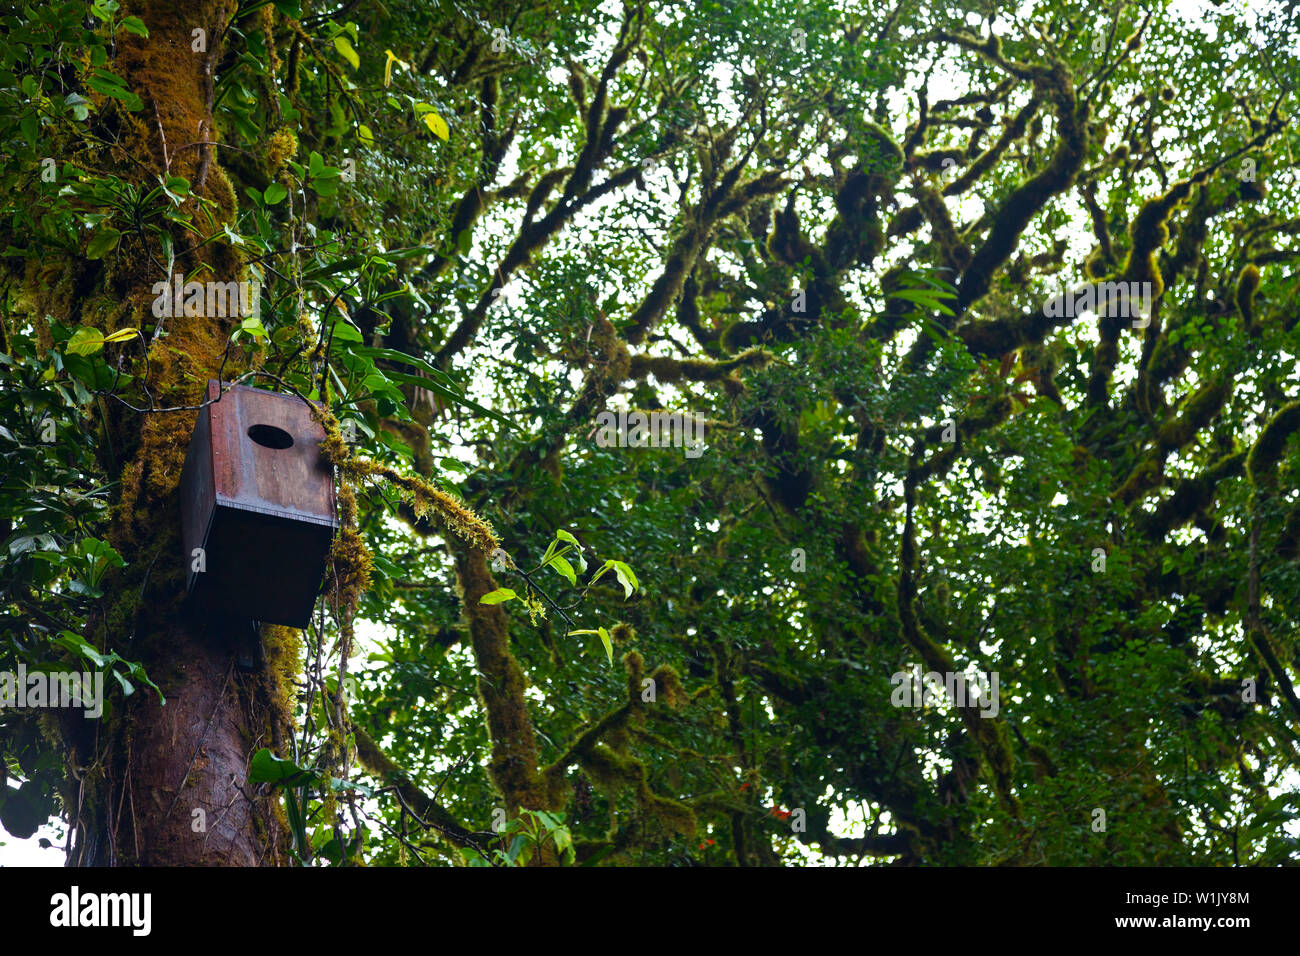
497, 596
346, 50
78, 645
85, 341
103, 242
265, 767
345, 331
393, 355
274, 194
253, 326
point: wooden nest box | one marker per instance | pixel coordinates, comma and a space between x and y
257, 507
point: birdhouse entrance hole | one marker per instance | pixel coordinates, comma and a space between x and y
268, 436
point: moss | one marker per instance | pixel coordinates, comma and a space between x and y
281, 147
1197, 411
669, 684
672, 371
1144, 476
1270, 445
1150, 231
283, 662
266, 23
425, 499
1190, 496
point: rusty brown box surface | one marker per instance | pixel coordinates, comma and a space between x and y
258, 498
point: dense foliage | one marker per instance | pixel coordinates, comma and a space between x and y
835, 234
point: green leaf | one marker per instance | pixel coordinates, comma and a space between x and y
110, 84
274, 193
78, 645
79, 105
447, 393
604, 639
392, 355
344, 331
565, 569
265, 767
626, 578
104, 241
607, 566
346, 50
497, 596
135, 25
85, 341
253, 326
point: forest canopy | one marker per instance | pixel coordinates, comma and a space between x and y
764, 432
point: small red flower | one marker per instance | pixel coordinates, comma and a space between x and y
780, 814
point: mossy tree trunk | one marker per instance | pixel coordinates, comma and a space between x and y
167, 785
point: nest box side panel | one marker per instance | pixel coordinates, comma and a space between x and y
266, 456
267, 568
198, 492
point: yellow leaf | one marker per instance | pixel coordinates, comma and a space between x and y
388, 65
365, 135
438, 125
344, 46
121, 335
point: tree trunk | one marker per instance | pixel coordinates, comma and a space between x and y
168, 785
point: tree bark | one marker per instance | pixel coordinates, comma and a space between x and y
150, 784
